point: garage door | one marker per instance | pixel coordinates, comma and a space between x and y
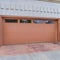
29, 31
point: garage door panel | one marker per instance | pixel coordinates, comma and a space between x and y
37, 33
29, 32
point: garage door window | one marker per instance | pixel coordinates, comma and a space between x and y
49, 21
25, 21
43, 21
11, 20
38, 21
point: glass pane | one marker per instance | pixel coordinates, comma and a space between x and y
38, 21
11, 21
49, 21
25, 21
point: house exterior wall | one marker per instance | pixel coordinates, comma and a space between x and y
58, 30
32, 10
1, 31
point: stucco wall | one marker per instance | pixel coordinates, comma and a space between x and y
1, 30
59, 30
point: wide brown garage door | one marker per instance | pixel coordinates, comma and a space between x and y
29, 31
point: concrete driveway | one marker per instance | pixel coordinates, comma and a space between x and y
36, 51
51, 55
